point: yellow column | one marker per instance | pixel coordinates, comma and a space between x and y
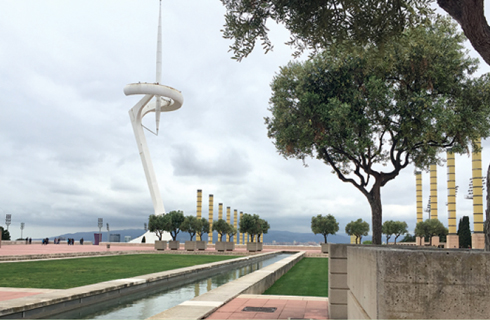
451, 188
210, 234
242, 241
420, 205
452, 239
235, 223
199, 206
433, 191
228, 217
220, 211
353, 239
478, 239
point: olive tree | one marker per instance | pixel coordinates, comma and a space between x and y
222, 227
396, 228
203, 227
358, 228
324, 225
176, 218
430, 228
369, 114
159, 224
190, 225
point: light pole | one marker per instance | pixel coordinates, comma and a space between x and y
8, 220
107, 232
22, 224
101, 223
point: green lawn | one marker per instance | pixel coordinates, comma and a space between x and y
309, 277
69, 273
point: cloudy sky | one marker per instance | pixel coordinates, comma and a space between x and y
68, 151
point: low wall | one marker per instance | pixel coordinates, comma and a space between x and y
417, 283
47, 304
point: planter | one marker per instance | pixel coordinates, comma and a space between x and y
254, 246
230, 246
190, 245
201, 245
160, 245
174, 245
324, 247
220, 245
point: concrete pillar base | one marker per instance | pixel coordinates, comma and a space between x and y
452, 241
419, 241
478, 241
435, 241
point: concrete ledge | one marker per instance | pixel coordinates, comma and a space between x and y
47, 304
254, 283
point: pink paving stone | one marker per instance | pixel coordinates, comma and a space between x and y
292, 314
317, 304
242, 315
265, 315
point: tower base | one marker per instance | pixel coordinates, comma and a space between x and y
452, 241
478, 241
419, 241
435, 241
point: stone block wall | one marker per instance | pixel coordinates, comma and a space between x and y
337, 281
417, 283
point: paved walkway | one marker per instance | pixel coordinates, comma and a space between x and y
286, 307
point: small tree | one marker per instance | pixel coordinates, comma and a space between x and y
408, 238
176, 217
159, 224
250, 224
464, 232
388, 229
231, 231
400, 227
430, 228
190, 225
222, 227
264, 228
203, 227
358, 229
324, 225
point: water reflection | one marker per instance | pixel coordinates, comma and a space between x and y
147, 304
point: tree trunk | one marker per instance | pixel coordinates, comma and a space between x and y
471, 16
374, 199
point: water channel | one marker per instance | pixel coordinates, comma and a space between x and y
145, 305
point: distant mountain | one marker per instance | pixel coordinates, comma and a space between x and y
270, 237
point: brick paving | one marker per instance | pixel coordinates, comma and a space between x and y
287, 307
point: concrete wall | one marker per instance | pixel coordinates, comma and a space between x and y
337, 281
417, 283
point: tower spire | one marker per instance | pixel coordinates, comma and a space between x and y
158, 107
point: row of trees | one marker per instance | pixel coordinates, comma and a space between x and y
326, 225
174, 222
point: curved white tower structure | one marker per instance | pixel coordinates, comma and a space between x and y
166, 99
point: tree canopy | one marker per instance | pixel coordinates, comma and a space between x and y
190, 225
324, 225
369, 114
464, 232
253, 225
317, 24
396, 228
176, 218
203, 227
159, 224
358, 228
430, 228
222, 227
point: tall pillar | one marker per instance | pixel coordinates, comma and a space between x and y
353, 239
220, 211
420, 204
242, 240
228, 217
478, 237
199, 207
210, 234
433, 198
452, 239
235, 223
